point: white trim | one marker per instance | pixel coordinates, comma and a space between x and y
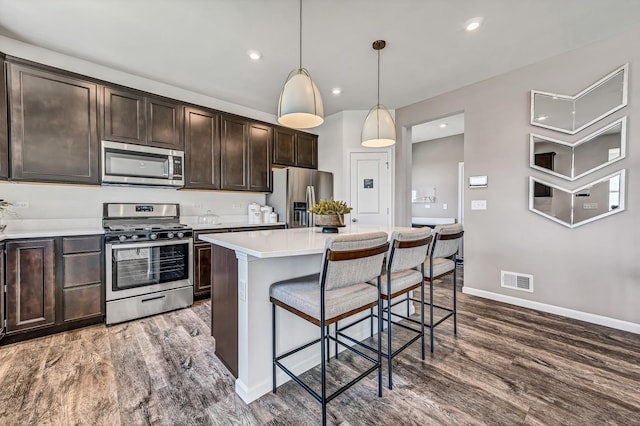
557, 310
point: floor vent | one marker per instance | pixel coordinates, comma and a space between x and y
516, 281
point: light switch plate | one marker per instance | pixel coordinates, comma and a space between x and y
478, 204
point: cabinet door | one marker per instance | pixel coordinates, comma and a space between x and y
54, 130
260, 141
202, 143
233, 154
3, 329
284, 147
30, 274
124, 116
224, 307
4, 134
164, 124
202, 269
307, 150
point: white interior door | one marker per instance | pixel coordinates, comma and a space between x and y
370, 188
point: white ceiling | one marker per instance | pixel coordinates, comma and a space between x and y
436, 129
202, 45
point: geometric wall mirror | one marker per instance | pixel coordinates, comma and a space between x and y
601, 198
574, 160
572, 113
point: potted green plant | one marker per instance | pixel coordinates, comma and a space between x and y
329, 213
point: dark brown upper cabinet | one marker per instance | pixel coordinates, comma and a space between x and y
245, 155
4, 128
53, 126
260, 142
124, 116
133, 117
293, 148
234, 153
202, 148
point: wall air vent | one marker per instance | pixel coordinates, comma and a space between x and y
516, 281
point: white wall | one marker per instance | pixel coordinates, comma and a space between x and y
435, 165
591, 272
49, 201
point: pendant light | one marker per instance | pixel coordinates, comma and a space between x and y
379, 128
300, 104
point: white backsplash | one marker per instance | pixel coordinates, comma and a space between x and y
51, 201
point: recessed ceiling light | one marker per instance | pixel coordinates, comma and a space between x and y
443, 125
336, 90
542, 117
254, 55
473, 23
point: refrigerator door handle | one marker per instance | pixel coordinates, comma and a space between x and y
311, 200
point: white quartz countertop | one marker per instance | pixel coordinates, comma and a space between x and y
225, 222
40, 228
285, 242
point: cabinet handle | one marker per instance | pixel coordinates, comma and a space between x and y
164, 296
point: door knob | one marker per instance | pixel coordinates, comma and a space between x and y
354, 219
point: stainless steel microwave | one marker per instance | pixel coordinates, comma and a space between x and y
128, 164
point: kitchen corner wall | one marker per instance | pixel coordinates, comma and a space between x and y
49, 201
591, 272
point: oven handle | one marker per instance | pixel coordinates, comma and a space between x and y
145, 244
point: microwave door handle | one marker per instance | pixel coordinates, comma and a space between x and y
170, 171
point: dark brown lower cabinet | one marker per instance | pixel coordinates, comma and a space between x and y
82, 288
31, 284
3, 328
224, 306
53, 284
202, 270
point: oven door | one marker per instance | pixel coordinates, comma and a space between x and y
134, 269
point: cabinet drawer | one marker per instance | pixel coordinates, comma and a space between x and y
80, 244
82, 269
82, 302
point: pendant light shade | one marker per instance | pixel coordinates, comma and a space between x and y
379, 129
300, 104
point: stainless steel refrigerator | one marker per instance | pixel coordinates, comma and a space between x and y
295, 190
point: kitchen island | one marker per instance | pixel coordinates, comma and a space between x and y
262, 258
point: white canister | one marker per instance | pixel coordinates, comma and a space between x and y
266, 211
252, 209
273, 217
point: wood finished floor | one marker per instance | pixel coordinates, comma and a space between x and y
507, 366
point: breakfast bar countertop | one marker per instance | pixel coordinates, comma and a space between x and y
285, 242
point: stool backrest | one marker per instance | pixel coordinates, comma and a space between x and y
353, 259
408, 249
446, 241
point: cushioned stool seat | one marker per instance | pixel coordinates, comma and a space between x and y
401, 281
301, 294
440, 267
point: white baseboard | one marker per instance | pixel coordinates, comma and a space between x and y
565, 312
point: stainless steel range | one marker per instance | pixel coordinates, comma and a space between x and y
148, 260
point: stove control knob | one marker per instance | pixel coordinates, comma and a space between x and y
180, 234
153, 236
134, 237
170, 235
122, 237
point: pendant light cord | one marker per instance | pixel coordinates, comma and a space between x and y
378, 76
300, 34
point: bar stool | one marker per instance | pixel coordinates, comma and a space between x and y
442, 262
339, 291
407, 253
